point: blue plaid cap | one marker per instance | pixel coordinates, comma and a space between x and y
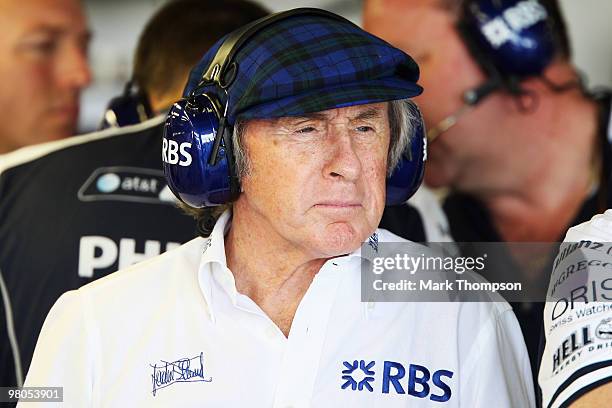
310, 63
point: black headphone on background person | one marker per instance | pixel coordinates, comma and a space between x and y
129, 108
198, 156
510, 40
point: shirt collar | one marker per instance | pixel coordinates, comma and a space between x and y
213, 263
214, 253
368, 249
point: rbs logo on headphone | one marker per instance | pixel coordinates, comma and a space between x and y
173, 153
524, 15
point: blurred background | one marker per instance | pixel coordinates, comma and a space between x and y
116, 25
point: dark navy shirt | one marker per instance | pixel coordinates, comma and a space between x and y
75, 210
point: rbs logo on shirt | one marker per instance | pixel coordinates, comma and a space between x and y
173, 153
417, 381
420, 383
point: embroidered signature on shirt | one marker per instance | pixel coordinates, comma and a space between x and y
182, 370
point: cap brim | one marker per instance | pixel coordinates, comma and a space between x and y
337, 96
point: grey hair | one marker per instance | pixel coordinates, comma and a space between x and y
243, 164
403, 117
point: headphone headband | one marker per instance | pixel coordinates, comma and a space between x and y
224, 57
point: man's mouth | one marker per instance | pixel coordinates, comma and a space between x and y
339, 205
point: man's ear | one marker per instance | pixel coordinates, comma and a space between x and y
561, 71
558, 76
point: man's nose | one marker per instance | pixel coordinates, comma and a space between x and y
73, 67
343, 161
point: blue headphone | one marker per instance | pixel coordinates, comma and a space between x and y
197, 151
510, 40
129, 108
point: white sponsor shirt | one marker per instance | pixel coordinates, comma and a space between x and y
578, 315
174, 331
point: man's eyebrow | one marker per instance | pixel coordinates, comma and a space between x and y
309, 116
54, 30
370, 113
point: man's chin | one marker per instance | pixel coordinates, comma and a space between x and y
55, 131
341, 238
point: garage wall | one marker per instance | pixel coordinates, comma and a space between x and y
590, 25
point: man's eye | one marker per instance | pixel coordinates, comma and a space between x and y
40, 48
307, 129
365, 129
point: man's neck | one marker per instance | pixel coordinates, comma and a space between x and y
523, 218
542, 209
267, 269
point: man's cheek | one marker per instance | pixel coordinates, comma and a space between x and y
376, 170
374, 181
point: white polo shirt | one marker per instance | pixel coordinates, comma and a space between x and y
578, 315
174, 331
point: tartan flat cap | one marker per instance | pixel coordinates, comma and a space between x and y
308, 63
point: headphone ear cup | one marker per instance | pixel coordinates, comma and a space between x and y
130, 108
510, 38
408, 174
190, 130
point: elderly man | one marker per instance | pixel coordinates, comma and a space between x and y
267, 311
43, 63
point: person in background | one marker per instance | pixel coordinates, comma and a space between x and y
520, 145
74, 210
576, 367
43, 63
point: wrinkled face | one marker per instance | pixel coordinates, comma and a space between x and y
318, 182
427, 32
43, 67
